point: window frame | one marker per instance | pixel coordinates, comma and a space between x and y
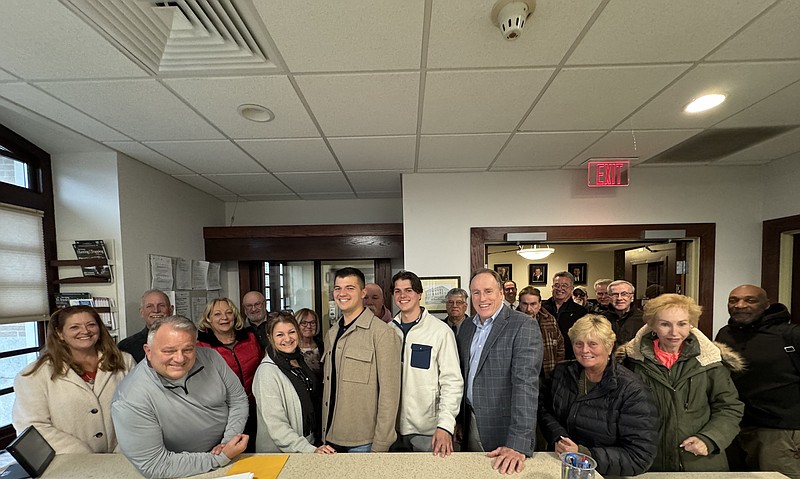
39, 196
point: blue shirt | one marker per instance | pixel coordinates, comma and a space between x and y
482, 331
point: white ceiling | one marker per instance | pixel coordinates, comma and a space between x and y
363, 92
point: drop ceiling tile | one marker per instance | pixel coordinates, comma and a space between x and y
203, 184
781, 108
37, 101
597, 98
251, 184
291, 155
220, 156
218, 98
363, 104
376, 152
44, 133
479, 101
647, 31
305, 183
4, 76
141, 109
340, 36
141, 153
232, 198
641, 144
544, 150
766, 151
776, 34
464, 35
51, 42
376, 181
459, 152
371, 195
743, 83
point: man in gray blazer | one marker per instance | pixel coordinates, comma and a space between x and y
501, 355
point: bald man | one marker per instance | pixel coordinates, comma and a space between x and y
155, 305
375, 301
770, 386
254, 307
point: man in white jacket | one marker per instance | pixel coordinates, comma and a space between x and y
432, 385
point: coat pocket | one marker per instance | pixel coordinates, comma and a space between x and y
421, 356
356, 365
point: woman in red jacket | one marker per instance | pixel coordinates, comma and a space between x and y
222, 328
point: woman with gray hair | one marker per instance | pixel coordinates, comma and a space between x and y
698, 405
593, 407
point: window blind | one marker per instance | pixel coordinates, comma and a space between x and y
23, 281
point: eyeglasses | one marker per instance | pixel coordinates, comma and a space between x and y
561, 286
623, 294
254, 305
456, 303
307, 324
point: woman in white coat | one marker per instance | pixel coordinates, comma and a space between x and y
287, 394
66, 393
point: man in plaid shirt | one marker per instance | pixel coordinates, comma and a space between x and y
530, 303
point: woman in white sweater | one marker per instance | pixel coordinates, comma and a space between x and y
66, 393
286, 393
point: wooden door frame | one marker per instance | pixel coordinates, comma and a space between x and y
771, 231
704, 232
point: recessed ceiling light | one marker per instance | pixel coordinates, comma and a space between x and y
256, 113
705, 102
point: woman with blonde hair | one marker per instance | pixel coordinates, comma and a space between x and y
698, 405
66, 393
222, 328
311, 344
592, 406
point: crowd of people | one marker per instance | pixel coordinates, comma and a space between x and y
637, 389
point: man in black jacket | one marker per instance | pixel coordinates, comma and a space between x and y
563, 308
770, 386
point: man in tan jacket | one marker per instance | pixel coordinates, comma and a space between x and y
361, 353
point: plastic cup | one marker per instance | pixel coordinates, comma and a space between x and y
575, 465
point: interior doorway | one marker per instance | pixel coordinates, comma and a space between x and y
692, 262
780, 262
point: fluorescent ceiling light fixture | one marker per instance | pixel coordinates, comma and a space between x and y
705, 102
534, 253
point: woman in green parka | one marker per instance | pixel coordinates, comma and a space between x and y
698, 405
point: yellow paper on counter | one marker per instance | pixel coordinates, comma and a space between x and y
263, 467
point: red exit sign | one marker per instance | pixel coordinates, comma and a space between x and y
608, 173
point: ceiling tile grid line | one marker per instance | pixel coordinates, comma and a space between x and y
423, 66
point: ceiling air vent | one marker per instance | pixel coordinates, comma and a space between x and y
183, 37
712, 145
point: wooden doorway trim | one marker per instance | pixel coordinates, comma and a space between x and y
704, 232
771, 258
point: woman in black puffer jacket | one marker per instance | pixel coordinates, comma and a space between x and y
593, 407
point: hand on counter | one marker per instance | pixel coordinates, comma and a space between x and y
325, 449
442, 443
695, 445
507, 460
235, 446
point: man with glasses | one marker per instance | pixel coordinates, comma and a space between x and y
530, 303
510, 294
456, 307
625, 317
254, 306
603, 301
563, 308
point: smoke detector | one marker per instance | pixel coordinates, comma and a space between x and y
510, 16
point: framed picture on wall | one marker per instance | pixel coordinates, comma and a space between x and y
434, 292
504, 270
579, 271
537, 273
